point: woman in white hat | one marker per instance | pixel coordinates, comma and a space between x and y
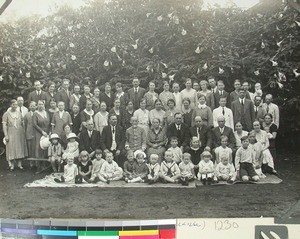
72, 150
14, 134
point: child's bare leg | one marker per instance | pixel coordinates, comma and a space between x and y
168, 179
102, 178
245, 178
52, 161
116, 177
135, 180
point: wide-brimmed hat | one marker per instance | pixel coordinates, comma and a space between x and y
54, 136
139, 152
44, 142
71, 136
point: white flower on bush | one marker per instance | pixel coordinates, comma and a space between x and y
183, 32
256, 72
274, 63
197, 50
1, 78
71, 45
279, 43
263, 45
159, 18
298, 23
134, 46
164, 64
64, 66
90, 20
171, 77
114, 49
123, 63
176, 20
280, 85
221, 71
78, 25
70, 28
281, 76
148, 14
21, 72
277, 28
27, 75
296, 73
151, 50
56, 47
164, 75
48, 65
187, 7
106, 63
73, 57
205, 66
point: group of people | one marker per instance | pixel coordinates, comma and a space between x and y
199, 132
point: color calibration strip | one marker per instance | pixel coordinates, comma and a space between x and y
152, 229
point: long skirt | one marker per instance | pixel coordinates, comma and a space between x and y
16, 147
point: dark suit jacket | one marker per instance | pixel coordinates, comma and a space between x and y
218, 96
109, 101
247, 117
106, 138
130, 96
34, 97
64, 97
87, 143
183, 135
76, 123
205, 135
216, 134
260, 113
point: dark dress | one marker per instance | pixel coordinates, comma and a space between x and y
126, 120
187, 118
108, 100
195, 157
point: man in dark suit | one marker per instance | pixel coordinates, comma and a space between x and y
202, 132
243, 111
136, 93
221, 93
89, 139
64, 94
220, 130
259, 110
38, 94
113, 139
179, 130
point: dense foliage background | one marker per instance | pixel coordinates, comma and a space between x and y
153, 39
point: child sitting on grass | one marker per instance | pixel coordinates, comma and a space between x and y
97, 164
140, 169
187, 171
244, 159
128, 165
85, 166
110, 170
70, 172
154, 169
225, 171
54, 153
206, 168
169, 170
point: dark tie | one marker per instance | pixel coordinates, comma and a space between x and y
213, 91
268, 108
136, 98
256, 111
21, 109
113, 130
221, 92
90, 133
223, 111
242, 106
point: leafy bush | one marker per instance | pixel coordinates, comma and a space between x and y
155, 40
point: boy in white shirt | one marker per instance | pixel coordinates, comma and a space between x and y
176, 151
110, 170
225, 170
186, 168
206, 168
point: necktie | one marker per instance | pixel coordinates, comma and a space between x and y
198, 131
213, 91
54, 148
221, 92
242, 102
221, 130
90, 133
136, 100
21, 109
113, 130
268, 108
223, 111
256, 111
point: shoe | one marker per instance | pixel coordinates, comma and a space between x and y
21, 168
209, 181
11, 168
230, 181
204, 182
108, 181
126, 180
151, 181
57, 180
274, 172
96, 180
62, 179
215, 180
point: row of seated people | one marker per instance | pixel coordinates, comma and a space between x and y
136, 168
